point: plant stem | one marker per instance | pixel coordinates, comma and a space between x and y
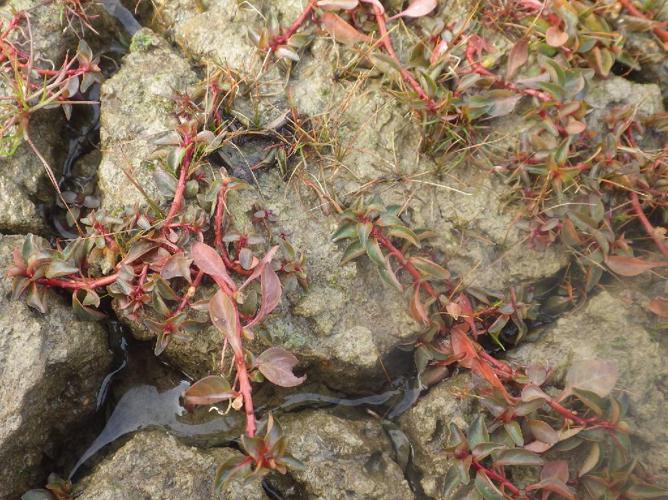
386, 41
283, 38
244, 384
79, 284
649, 229
634, 11
495, 476
218, 235
177, 203
403, 261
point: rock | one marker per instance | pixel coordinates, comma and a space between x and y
154, 465
427, 426
343, 458
605, 96
136, 107
51, 367
23, 181
611, 328
24, 184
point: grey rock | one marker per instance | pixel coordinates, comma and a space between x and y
427, 426
136, 108
604, 96
51, 367
23, 179
153, 465
343, 458
610, 327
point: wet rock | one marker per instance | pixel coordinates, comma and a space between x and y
427, 427
343, 458
153, 464
136, 108
51, 367
611, 327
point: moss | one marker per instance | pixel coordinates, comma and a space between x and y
143, 41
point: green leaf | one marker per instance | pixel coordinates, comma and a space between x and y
646, 491
59, 268
404, 233
486, 487
591, 459
483, 450
430, 269
518, 456
515, 432
590, 400
451, 483
375, 253
363, 232
477, 432
234, 467
354, 250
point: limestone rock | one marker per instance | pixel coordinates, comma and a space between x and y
343, 458
427, 426
137, 107
51, 367
609, 327
154, 465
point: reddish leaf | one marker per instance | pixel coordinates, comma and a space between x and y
417, 8
555, 37
341, 30
543, 431
276, 365
271, 294
630, 266
225, 318
337, 4
257, 271
556, 469
553, 485
485, 371
208, 391
417, 309
462, 347
208, 260
659, 306
177, 266
517, 57
592, 375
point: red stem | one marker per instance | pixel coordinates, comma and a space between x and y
177, 203
649, 229
244, 384
386, 41
403, 261
634, 11
283, 38
495, 476
218, 235
79, 284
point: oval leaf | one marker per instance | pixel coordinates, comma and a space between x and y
209, 390
592, 375
630, 266
276, 365
341, 30
209, 262
224, 317
417, 8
